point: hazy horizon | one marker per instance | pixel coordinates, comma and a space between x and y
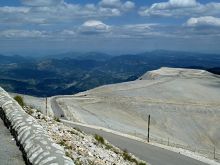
51, 54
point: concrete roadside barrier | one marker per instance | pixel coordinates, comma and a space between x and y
37, 146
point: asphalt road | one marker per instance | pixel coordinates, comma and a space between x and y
152, 154
58, 112
9, 151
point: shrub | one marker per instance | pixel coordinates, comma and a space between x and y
73, 132
108, 147
68, 147
57, 119
20, 100
100, 139
30, 111
68, 155
128, 157
62, 143
77, 162
78, 129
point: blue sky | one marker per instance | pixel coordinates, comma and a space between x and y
33, 27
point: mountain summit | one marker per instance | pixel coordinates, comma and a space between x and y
175, 72
183, 104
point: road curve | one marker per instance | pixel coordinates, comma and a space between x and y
57, 111
152, 154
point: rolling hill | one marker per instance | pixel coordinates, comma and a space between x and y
71, 73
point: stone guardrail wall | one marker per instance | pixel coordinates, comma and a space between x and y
35, 143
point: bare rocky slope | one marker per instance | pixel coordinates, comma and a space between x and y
183, 103
83, 149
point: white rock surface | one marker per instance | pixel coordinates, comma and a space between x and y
83, 149
36, 102
184, 105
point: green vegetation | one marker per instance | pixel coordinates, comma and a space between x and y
68, 155
30, 111
92, 163
99, 139
78, 129
116, 151
49, 79
142, 163
62, 143
73, 132
128, 157
108, 147
39, 111
125, 154
20, 100
56, 119
68, 147
77, 162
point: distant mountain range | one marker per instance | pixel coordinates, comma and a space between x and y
70, 73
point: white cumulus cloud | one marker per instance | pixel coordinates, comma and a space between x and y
41, 2
15, 33
128, 5
117, 4
175, 8
59, 11
110, 3
203, 21
11, 10
181, 3
94, 27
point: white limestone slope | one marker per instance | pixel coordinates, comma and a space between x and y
184, 105
36, 102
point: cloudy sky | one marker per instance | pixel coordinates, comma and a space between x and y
113, 26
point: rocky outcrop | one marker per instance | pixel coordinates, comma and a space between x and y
34, 141
82, 148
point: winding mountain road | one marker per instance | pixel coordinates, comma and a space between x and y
152, 154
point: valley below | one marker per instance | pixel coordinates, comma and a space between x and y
71, 73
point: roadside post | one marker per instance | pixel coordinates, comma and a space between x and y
46, 106
214, 153
148, 130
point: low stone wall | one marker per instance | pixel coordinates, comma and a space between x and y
37, 146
